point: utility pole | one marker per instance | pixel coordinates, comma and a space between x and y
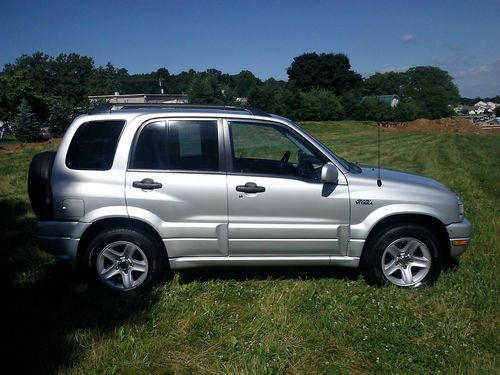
161, 88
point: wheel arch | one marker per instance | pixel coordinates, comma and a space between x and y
118, 222
432, 224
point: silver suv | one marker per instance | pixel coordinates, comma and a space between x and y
137, 190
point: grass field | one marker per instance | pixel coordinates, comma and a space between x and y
258, 320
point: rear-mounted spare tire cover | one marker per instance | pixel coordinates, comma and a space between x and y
39, 189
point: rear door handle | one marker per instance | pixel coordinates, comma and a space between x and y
250, 187
147, 184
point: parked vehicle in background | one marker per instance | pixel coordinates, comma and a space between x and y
45, 133
136, 190
5, 129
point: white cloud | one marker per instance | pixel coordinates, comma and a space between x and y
481, 80
407, 38
474, 71
397, 69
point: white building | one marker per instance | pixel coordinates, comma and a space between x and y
483, 107
139, 98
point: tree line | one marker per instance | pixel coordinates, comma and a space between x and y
320, 87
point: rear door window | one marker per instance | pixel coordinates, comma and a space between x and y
94, 145
184, 145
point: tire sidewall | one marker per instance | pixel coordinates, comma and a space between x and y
372, 262
144, 242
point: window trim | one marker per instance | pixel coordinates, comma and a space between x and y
165, 120
229, 150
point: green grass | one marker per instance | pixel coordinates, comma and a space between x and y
266, 321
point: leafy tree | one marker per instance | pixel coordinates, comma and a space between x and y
59, 119
374, 109
331, 72
384, 84
181, 82
204, 90
24, 80
320, 105
351, 102
290, 101
470, 101
143, 83
26, 127
282, 98
432, 90
405, 111
104, 80
34, 72
70, 78
495, 99
73, 74
268, 96
244, 82
497, 111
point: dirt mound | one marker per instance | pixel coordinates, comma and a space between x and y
444, 125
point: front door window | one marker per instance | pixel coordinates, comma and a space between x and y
272, 150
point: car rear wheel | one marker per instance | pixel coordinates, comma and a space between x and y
125, 259
407, 256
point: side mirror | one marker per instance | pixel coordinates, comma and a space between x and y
329, 174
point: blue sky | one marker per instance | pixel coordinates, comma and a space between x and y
462, 37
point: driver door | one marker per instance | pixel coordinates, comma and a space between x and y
277, 204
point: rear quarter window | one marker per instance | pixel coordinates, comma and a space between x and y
94, 145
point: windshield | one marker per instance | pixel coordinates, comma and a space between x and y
345, 163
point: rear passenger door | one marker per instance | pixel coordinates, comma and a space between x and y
175, 181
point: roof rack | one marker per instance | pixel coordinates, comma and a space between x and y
108, 107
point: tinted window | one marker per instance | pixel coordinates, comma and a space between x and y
94, 144
188, 145
272, 150
193, 145
150, 149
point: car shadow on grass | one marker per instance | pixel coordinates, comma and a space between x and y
46, 310
267, 273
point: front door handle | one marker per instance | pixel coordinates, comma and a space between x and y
250, 187
147, 184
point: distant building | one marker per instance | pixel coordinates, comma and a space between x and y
483, 107
139, 98
242, 100
392, 100
463, 109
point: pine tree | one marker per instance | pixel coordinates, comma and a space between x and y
59, 119
26, 126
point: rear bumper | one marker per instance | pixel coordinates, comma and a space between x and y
460, 235
61, 238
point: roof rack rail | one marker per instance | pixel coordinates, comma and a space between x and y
108, 107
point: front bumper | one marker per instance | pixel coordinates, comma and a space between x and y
61, 238
460, 234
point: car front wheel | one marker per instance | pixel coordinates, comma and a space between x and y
405, 255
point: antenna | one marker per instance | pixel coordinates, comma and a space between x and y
379, 181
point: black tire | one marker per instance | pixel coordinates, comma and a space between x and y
150, 249
39, 191
403, 236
